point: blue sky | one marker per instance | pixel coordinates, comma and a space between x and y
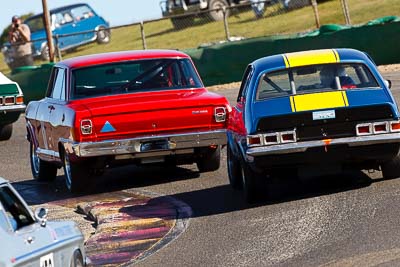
117, 12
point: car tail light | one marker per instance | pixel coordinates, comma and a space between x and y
9, 100
288, 137
271, 138
220, 114
1, 101
86, 127
380, 127
395, 126
253, 140
364, 129
19, 99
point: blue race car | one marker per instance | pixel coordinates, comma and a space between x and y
311, 113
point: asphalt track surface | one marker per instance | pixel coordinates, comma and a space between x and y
352, 219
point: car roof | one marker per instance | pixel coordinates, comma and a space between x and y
55, 10
310, 57
113, 57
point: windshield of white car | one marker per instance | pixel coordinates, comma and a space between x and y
317, 78
134, 76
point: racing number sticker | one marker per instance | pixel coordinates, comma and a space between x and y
47, 260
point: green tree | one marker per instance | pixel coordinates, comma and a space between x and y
4, 35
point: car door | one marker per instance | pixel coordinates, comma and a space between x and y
86, 20
238, 120
64, 25
56, 106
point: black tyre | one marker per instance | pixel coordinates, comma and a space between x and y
210, 160
234, 169
182, 23
218, 14
77, 174
391, 169
41, 170
77, 260
103, 36
250, 183
5, 131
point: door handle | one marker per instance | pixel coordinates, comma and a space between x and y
51, 107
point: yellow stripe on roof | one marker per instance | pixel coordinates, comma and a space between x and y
319, 101
312, 57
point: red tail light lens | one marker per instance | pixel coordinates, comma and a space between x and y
364, 129
271, 139
381, 127
253, 140
220, 114
395, 126
86, 127
288, 137
19, 99
9, 100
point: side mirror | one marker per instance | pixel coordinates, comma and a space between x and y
388, 83
41, 215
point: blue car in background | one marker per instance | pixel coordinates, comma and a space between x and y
68, 20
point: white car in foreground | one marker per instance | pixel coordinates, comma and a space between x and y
30, 240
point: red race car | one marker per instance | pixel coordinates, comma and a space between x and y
132, 107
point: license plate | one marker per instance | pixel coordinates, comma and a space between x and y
154, 145
323, 115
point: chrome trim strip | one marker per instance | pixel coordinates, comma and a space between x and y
176, 142
303, 146
47, 154
13, 108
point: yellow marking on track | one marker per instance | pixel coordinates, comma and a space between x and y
319, 101
313, 57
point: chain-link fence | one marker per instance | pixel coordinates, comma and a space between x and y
204, 27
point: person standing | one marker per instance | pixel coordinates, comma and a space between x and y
19, 38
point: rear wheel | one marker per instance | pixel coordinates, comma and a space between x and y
210, 160
391, 169
77, 260
218, 14
234, 171
41, 170
5, 131
103, 36
77, 174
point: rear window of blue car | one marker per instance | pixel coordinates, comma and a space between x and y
317, 78
134, 76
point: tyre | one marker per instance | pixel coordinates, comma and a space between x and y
41, 170
77, 260
5, 131
182, 23
218, 14
391, 169
103, 36
210, 160
234, 171
76, 174
250, 184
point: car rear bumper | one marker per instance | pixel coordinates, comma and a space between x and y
298, 147
12, 108
148, 146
